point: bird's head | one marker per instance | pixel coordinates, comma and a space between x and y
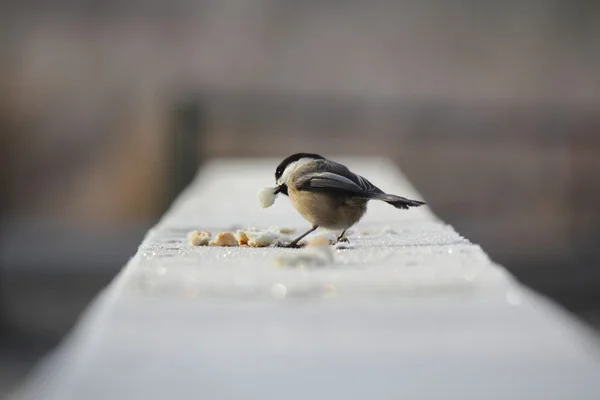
287, 166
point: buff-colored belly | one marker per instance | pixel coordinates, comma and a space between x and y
330, 212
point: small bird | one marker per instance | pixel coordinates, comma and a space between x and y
327, 194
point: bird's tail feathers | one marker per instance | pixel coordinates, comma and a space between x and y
400, 202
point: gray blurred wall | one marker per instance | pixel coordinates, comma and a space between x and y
491, 108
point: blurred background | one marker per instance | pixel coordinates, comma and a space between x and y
492, 110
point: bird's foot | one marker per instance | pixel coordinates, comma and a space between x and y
290, 245
343, 239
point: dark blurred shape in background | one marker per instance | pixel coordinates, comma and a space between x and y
106, 109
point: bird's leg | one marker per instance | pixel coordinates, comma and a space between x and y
341, 238
294, 243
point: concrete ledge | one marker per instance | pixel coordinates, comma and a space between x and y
414, 310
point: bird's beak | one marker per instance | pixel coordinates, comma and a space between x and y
278, 189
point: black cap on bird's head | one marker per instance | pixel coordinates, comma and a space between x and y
287, 161
293, 158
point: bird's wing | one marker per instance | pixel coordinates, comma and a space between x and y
330, 181
366, 185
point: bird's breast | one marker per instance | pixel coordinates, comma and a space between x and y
328, 210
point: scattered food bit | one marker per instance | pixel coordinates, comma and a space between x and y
263, 239
365, 233
315, 256
287, 231
319, 241
256, 238
266, 196
322, 239
242, 238
224, 239
197, 238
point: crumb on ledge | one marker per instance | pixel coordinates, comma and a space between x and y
224, 239
319, 242
256, 238
242, 238
197, 238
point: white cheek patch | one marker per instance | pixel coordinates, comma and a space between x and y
286, 174
266, 197
285, 177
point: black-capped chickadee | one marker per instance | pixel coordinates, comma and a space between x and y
327, 194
